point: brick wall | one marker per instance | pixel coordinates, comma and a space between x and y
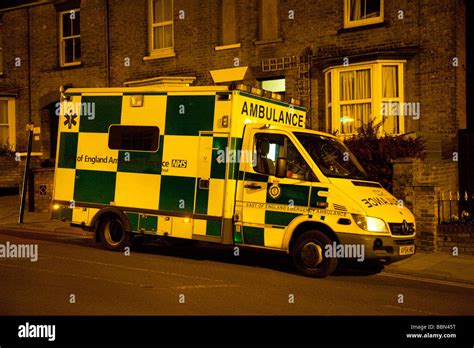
419, 184
459, 236
43, 189
9, 175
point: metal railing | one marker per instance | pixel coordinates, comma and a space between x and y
455, 207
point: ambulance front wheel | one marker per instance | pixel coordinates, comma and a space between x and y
113, 234
309, 257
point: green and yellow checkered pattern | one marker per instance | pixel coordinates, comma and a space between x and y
158, 197
145, 181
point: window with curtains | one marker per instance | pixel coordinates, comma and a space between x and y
360, 93
362, 12
161, 35
7, 122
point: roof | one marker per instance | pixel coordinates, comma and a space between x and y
147, 89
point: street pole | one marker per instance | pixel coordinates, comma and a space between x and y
29, 128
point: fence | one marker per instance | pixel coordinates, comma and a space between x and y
455, 207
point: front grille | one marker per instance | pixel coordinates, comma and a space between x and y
405, 241
397, 229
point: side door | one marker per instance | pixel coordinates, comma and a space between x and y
210, 187
268, 204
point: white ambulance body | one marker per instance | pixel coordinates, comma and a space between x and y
224, 166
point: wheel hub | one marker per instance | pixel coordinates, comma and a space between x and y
311, 254
114, 232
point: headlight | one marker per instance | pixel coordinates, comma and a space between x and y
370, 224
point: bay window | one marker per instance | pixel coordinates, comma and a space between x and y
363, 93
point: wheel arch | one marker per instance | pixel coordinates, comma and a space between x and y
293, 234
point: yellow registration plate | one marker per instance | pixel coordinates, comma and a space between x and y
407, 249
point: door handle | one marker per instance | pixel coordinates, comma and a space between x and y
253, 186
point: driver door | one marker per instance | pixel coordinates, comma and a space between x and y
268, 204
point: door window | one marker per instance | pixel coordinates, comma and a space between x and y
269, 147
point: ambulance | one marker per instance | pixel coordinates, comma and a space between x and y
234, 166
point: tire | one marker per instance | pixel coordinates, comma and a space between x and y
113, 234
308, 255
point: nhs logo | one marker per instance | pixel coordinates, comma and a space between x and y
177, 163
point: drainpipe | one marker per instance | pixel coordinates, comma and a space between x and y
29, 63
107, 46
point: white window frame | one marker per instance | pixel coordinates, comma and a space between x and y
62, 46
376, 100
11, 122
1, 49
159, 52
348, 23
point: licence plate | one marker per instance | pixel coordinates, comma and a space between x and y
407, 249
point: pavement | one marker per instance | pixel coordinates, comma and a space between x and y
439, 266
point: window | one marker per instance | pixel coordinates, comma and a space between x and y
362, 12
269, 147
70, 37
274, 85
363, 93
7, 123
269, 23
229, 22
134, 138
331, 156
161, 28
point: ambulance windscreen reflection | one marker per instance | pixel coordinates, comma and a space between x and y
332, 156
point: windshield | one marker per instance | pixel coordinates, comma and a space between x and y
332, 156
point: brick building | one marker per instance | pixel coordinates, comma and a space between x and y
349, 61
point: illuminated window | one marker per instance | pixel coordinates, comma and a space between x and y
363, 93
275, 85
70, 37
7, 123
362, 12
161, 28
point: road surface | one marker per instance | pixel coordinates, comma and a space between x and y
74, 276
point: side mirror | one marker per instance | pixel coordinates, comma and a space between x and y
281, 167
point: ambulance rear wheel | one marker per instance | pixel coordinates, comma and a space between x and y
113, 234
308, 255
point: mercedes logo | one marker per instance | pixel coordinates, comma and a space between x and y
405, 227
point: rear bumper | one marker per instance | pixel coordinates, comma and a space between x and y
379, 247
